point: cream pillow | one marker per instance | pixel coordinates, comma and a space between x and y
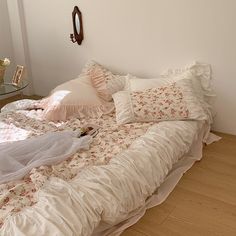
75, 98
134, 83
103, 80
199, 73
176, 101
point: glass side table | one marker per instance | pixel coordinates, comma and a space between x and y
7, 88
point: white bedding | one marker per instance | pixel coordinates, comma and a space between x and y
101, 197
100, 192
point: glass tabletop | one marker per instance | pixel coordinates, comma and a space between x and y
7, 88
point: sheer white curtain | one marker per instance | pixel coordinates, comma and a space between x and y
18, 158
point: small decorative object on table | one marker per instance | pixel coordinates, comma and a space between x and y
3, 64
18, 75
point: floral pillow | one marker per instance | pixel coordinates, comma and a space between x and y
176, 101
103, 80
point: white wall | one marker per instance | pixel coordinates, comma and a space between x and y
6, 47
20, 39
143, 37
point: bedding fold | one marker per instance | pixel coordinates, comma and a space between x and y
101, 187
79, 206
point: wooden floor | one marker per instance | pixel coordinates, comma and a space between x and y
204, 201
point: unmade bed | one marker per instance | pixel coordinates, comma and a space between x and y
97, 189
142, 148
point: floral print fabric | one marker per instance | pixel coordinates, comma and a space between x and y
159, 103
177, 101
111, 140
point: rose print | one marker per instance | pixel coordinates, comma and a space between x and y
110, 141
159, 103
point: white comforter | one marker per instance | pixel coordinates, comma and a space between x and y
107, 194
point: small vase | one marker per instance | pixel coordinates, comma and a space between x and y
2, 72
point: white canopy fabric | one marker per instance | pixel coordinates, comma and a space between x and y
20, 157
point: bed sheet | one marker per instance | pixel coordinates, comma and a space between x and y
124, 166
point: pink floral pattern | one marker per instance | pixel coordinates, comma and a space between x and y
111, 140
163, 103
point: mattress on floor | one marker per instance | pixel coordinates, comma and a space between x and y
93, 190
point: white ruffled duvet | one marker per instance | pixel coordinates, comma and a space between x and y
101, 197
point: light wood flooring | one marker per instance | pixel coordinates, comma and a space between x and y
204, 201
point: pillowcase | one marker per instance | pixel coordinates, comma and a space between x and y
103, 80
199, 73
134, 83
75, 98
176, 101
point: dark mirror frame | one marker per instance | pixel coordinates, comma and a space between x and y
77, 36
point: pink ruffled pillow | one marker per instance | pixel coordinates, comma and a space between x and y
103, 80
75, 98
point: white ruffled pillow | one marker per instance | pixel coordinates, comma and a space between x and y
177, 101
75, 98
199, 73
134, 83
103, 80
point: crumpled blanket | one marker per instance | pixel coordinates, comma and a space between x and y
23, 104
20, 157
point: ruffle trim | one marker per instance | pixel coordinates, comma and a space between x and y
58, 112
200, 70
103, 80
195, 105
124, 107
99, 77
